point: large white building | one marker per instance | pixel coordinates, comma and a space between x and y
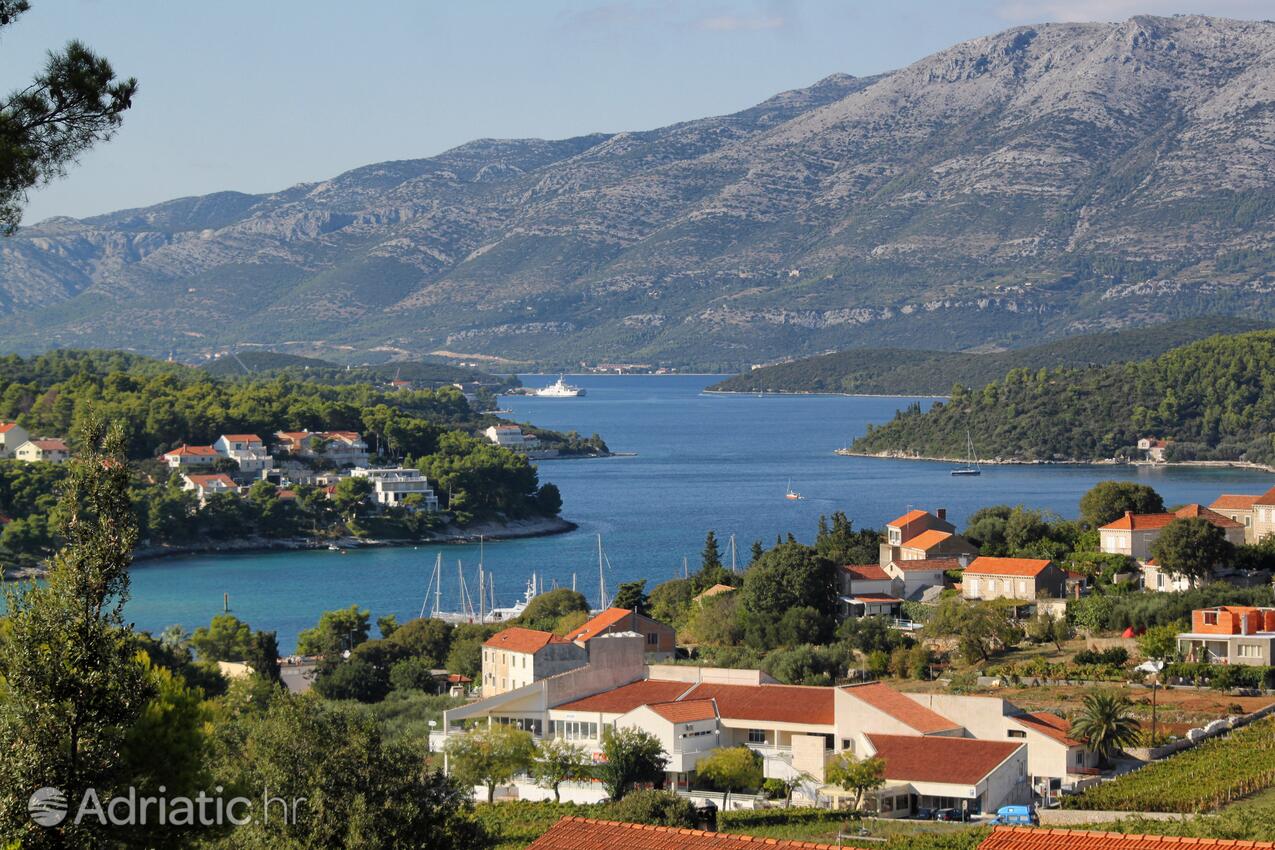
392, 485
247, 450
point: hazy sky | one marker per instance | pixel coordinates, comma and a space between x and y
257, 96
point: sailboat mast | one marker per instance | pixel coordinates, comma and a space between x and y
733, 567
602, 580
438, 584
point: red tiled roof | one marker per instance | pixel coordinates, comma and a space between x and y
573, 833
928, 564
241, 438
1007, 566
875, 597
1234, 502
1049, 724
686, 710
50, 444
202, 480
1150, 522
774, 703
938, 758
927, 540
518, 639
628, 697
907, 519
599, 624
6, 427
901, 707
1214, 518
192, 451
866, 572
1034, 838
1267, 498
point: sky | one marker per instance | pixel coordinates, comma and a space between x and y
258, 96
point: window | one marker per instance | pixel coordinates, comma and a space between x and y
652, 639
575, 730
1248, 650
1210, 618
1016, 733
756, 736
1022, 586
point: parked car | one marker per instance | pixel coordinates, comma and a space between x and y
948, 815
923, 814
1022, 815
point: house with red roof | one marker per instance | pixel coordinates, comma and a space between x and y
918, 575
191, 457
1242, 509
1135, 534
205, 486
867, 590
515, 657
576, 833
12, 435
341, 448
920, 534
43, 450
948, 772
661, 639
1035, 838
1230, 634
1025, 579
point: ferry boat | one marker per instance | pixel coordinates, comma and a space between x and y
559, 389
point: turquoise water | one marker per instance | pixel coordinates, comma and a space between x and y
703, 461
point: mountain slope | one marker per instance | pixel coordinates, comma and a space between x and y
1213, 399
893, 371
1039, 182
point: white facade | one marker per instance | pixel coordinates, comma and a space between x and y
44, 450
247, 450
507, 437
391, 486
12, 435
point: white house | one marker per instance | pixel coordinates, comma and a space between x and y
920, 574
12, 435
247, 450
191, 457
391, 486
208, 485
868, 590
43, 450
507, 437
517, 657
342, 448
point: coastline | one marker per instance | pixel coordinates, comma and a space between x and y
448, 535
711, 391
1205, 464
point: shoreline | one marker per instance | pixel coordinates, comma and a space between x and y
449, 535
820, 393
1204, 464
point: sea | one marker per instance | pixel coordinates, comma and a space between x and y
692, 461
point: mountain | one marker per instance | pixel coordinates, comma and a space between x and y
1212, 399
1045, 181
895, 371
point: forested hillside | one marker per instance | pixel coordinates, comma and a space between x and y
892, 371
1215, 399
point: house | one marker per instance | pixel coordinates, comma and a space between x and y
965, 774
392, 486
208, 485
920, 574
1012, 578
43, 450
191, 457
516, 657
1153, 448
867, 590
661, 639
1035, 838
1240, 508
1135, 534
341, 448
919, 534
506, 436
1230, 634
247, 450
12, 435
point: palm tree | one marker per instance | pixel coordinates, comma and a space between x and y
1106, 724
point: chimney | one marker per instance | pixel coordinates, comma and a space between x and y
1128, 514
942, 512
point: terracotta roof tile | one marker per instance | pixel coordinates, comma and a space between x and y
875, 597
907, 519
241, 438
901, 707
1234, 502
6, 427
1034, 838
202, 481
1267, 498
715, 590
927, 564
938, 758
1049, 724
1214, 518
628, 697
686, 710
599, 624
1150, 522
927, 540
572, 833
192, 451
1007, 566
866, 572
50, 444
775, 703
518, 639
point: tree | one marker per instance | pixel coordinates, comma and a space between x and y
788, 576
73, 682
711, 570
466, 658
336, 632
1045, 628
424, 637
359, 789
859, 776
544, 611
671, 601
489, 756
356, 678
1106, 724
549, 499
731, 769
557, 761
632, 756
654, 807
632, 595
1192, 547
1107, 501
387, 625
73, 103
711, 557
1159, 643
263, 656
350, 496
227, 638
841, 544
981, 629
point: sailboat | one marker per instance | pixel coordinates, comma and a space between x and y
971, 465
792, 495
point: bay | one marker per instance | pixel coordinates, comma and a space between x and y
703, 461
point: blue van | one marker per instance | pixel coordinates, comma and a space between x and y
1020, 815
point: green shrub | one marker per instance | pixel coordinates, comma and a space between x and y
650, 806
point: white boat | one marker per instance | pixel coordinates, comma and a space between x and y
559, 389
792, 495
971, 467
